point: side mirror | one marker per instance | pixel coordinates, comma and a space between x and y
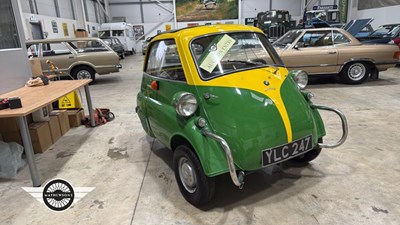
299, 45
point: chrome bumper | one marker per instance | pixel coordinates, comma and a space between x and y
344, 126
237, 179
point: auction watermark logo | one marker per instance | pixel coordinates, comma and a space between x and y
58, 194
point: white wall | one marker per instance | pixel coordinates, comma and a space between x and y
156, 14
91, 11
25, 6
152, 12
46, 23
250, 8
46, 7
46, 19
381, 16
293, 6
65, 9
131, 12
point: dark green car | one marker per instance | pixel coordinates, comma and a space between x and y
220, 98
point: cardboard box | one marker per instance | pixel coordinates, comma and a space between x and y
62, 119
12, 136
36, 67
55, 129
40, 136
9, 124
81, 33
75, 117
41, 115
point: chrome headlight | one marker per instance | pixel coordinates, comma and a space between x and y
301, 79
186, 104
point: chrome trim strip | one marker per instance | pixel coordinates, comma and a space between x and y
232, 170
359, 59
344, 126
387, 62
315, 65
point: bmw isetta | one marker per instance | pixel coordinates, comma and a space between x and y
221, 99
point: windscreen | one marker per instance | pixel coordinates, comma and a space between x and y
221, 54
287, 38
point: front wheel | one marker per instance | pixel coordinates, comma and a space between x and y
355, 72
194, 185
84, 72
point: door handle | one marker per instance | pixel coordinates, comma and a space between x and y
333, 52
71, 57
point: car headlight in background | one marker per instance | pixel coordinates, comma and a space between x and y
186, 104
301, 79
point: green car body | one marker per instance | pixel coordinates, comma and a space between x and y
235, 116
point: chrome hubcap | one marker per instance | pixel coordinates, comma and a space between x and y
357, 71
187, 175
83, 74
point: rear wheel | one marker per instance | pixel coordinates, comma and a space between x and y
355, 72
84, 72
310, 155
122, 56
194, 185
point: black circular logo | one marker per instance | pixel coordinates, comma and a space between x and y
58, 195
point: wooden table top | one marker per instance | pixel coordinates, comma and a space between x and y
33, 98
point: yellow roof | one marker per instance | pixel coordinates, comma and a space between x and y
191, 32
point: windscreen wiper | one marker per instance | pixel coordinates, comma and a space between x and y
248, 62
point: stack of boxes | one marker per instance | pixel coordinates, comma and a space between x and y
46, 126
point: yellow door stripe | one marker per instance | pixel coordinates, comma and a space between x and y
255, 80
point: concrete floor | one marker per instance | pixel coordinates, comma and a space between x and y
357, 183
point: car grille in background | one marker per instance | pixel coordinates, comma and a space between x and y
276, 31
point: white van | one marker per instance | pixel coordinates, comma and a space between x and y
121, 30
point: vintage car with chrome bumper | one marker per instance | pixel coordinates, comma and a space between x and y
334, 51
81, 58
227, 105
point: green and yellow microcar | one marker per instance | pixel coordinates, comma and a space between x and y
221, 99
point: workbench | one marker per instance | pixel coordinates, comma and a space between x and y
34, 98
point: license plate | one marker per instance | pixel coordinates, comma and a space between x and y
287, 151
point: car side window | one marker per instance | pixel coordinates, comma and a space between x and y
164, 62
339, 38
54, 49
87, 46
119, 33
317, 38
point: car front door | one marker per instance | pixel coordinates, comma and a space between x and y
163, 78
59, 54
314, 53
